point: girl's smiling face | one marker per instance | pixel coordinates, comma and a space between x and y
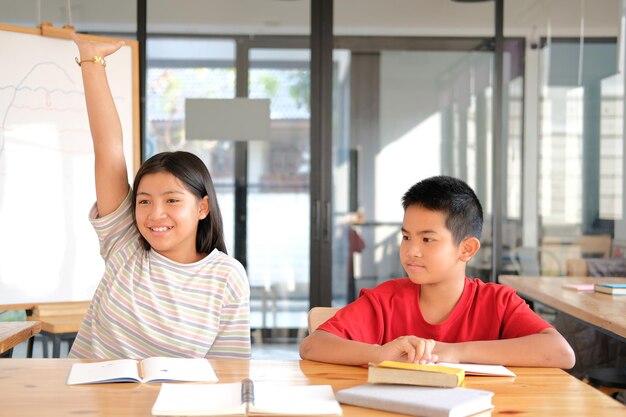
167, 216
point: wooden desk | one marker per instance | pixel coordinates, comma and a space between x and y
36, 387
13, 333
605, 312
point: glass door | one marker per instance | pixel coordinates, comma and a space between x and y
278, 198
277, 201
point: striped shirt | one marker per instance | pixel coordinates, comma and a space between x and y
148, 305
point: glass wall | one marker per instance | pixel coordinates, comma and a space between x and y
420, 106
581, 149
572, 152
416, 114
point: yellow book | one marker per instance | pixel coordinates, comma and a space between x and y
391, 372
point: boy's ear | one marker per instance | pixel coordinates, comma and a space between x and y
469, 246
203, 208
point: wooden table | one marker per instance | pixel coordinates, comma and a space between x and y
36, 387
605, 312
13, 333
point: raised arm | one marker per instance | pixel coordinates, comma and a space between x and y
104, 122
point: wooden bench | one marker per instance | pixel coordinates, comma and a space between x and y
59, 321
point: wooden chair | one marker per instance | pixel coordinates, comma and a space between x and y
576, 267
596, 267
318, 315
595, 246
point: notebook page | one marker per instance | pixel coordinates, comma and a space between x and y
178, 369
199, 400
294, 399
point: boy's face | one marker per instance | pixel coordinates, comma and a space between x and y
428, 252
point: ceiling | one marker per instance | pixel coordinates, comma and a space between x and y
351, 17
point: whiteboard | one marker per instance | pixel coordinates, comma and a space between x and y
48, 249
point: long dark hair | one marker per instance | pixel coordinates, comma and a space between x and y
193, 173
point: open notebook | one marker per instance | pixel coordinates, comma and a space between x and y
245, 398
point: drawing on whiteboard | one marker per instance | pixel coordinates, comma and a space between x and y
48, 249
33, 99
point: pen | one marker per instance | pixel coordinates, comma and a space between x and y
247, 393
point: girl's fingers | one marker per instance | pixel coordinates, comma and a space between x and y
90, 47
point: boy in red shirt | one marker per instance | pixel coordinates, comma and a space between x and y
437, 314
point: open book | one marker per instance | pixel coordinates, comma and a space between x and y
245, 398
155, 369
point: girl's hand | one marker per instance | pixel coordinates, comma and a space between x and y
408, 349
89, 48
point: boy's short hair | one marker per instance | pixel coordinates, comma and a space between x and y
454, 198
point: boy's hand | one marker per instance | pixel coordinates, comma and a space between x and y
89, 48
408, 349
448, 352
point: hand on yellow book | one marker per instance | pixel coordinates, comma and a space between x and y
408, 349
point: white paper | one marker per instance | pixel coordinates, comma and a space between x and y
476, 369
199, 400
178, 369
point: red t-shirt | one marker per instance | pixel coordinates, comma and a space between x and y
486, 311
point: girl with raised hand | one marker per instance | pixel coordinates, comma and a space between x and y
169, 288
